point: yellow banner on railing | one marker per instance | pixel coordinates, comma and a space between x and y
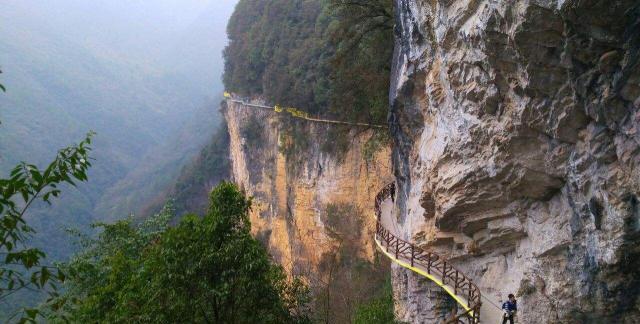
297, 113
277, 108
293, 111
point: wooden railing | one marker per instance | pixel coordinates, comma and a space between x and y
433, 264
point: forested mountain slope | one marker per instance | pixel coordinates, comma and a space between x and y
144, 75
321, 56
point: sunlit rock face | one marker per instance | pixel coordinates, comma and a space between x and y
516, 130
291, 198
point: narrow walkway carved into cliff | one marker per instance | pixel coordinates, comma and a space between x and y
296, 113
477, 309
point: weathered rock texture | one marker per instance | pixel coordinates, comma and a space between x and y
516, 127
291, 198
433, 305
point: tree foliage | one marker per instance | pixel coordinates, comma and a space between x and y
377, 310
203, 270
21, 265
329, 57
362, 63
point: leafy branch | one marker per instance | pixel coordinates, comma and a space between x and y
20, 266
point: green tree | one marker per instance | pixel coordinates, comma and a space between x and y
361, 65
203, 270
21, 265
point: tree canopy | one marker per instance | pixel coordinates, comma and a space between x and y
329, 57
203, 270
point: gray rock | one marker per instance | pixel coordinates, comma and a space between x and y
515, 128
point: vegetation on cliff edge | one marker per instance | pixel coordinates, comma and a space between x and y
329, 57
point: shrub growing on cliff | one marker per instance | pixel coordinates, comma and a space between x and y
378, 309
204, 270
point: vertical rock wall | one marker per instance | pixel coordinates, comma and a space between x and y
516, 130
290, 198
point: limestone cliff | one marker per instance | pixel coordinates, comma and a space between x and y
516, 130
293, 200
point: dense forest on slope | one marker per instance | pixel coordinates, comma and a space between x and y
329, 57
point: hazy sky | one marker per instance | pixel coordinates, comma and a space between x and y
89, 63
146, 30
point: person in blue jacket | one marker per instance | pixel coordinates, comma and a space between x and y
509, 308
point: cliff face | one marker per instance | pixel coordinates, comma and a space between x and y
312, 213
516, 152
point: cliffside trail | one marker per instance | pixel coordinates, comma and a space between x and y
310, 209
297, 113
477, 307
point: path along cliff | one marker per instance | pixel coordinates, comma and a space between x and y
472, 305
516, 152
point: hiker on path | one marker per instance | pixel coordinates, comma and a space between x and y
509, 308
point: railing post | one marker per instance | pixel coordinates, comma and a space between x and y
444, 272
397, 248
455, 287
428, 259
412, 254
387, 241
